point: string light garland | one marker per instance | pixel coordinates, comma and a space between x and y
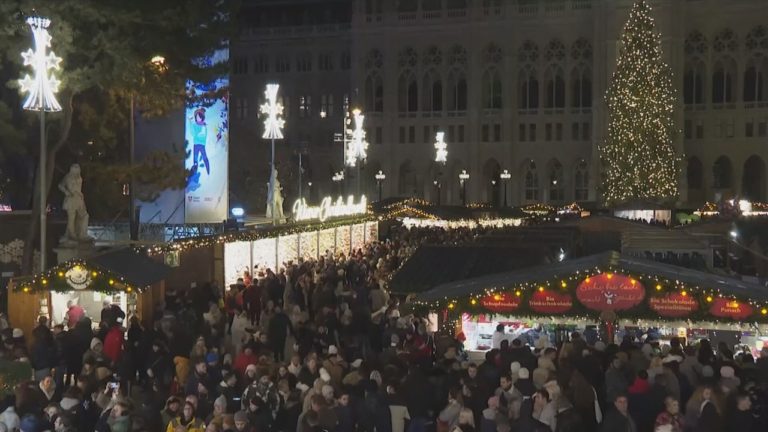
708, 209
538, 209
638, 155
567, 284
252, 235
571, 208
75, 275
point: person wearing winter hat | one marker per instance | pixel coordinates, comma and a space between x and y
96, 353
241, 422
514, 368
599, 346
546, 363
540, 377
171, 411
31, 423
354, 376
729, 382
488, 419
335, 366
219, 411
524, 384
187, 421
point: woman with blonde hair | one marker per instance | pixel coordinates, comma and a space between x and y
704, 410
466, 421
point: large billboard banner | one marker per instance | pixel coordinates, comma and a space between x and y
207, 147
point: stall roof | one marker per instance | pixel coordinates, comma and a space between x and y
467, 287
137, 269
447, 212
431, 266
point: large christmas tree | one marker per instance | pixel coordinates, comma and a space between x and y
638, 157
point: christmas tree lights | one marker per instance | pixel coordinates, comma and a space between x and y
638, 157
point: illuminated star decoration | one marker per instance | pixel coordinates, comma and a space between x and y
441, 148
273, 124
357, 147
43, 87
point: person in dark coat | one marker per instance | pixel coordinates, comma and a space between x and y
43, 352
418, 393
526, 422
709, 419
378, 408
72, 357
345, 414
741, 418
618, 419
278, 331
488, 372
134, 349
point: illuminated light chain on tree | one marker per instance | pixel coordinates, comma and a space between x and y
43, 86
273, 124
639, 159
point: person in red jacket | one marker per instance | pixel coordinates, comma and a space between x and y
113, 344
245, 358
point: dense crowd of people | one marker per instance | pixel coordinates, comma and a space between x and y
321, 345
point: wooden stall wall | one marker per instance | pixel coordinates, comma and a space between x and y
148, 302
195, 265
23, 310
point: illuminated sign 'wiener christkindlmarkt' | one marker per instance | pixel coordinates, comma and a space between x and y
329, 208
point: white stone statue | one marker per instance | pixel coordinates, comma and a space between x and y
74, 204
275, 198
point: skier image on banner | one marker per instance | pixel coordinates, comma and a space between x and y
199, 137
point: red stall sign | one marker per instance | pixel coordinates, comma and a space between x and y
610, 291
733, 309
673, 305
502, 302
550, 302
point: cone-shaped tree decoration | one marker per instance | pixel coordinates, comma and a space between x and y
638, 158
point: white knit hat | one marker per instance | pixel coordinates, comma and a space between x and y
515, 367
523, 373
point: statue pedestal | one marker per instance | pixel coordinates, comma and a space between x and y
69, 250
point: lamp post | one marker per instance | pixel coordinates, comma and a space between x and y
309, 190
441, 158
344, 136
337, 178
273, 126
505, 176
357, 146
380, 177
41, 97
438, 187
463, 179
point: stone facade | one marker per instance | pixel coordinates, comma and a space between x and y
515, 85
